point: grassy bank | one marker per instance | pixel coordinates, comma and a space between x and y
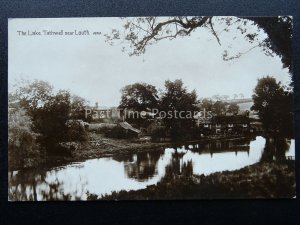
262, 180
100, 146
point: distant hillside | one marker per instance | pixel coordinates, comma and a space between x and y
244, 104
240, 100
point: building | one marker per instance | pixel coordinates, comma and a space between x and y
226, 125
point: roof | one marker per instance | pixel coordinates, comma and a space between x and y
127, 126
230, 119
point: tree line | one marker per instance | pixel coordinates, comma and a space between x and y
175, 98
40, 119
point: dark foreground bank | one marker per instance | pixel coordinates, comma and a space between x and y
262, 180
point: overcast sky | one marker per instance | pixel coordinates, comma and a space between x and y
91, 68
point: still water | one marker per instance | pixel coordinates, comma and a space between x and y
136, 171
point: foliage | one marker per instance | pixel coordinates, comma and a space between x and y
76, 131
261, 180
49, 113
280, 33
158, 133
141, 32
207, 105
139, 97
23, 149
233, 108
176, 98
33, 95
120, 133
275, 149
219, 108
274, 104
78, 105
50, 120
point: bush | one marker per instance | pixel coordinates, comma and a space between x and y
76, 131
120, 133
23, 150
104, 130
158, 133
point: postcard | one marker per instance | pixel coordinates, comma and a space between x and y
150, 108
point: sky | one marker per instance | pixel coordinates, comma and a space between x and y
88, 66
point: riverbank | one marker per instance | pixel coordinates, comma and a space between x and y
97, 146
100, 146
261, 180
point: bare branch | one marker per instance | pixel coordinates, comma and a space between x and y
189, 26
238, 55
213, 31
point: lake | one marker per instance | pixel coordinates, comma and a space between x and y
138, 170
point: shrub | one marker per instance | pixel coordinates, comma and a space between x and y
120, 133
158, 133
23, 150
76, 131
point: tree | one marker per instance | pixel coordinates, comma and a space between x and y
233, 108
139, 97
140, 32
50, 121
48, 111
78, 105
33, 96
219, 108
274, 104
225, 97
217, 97
207, 105
23, 149
178, 107
280, 33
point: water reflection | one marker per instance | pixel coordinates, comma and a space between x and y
137, 171
26, 186
235, 145
141, 166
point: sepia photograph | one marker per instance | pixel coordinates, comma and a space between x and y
150, 108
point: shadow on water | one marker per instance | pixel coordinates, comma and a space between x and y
138, 170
